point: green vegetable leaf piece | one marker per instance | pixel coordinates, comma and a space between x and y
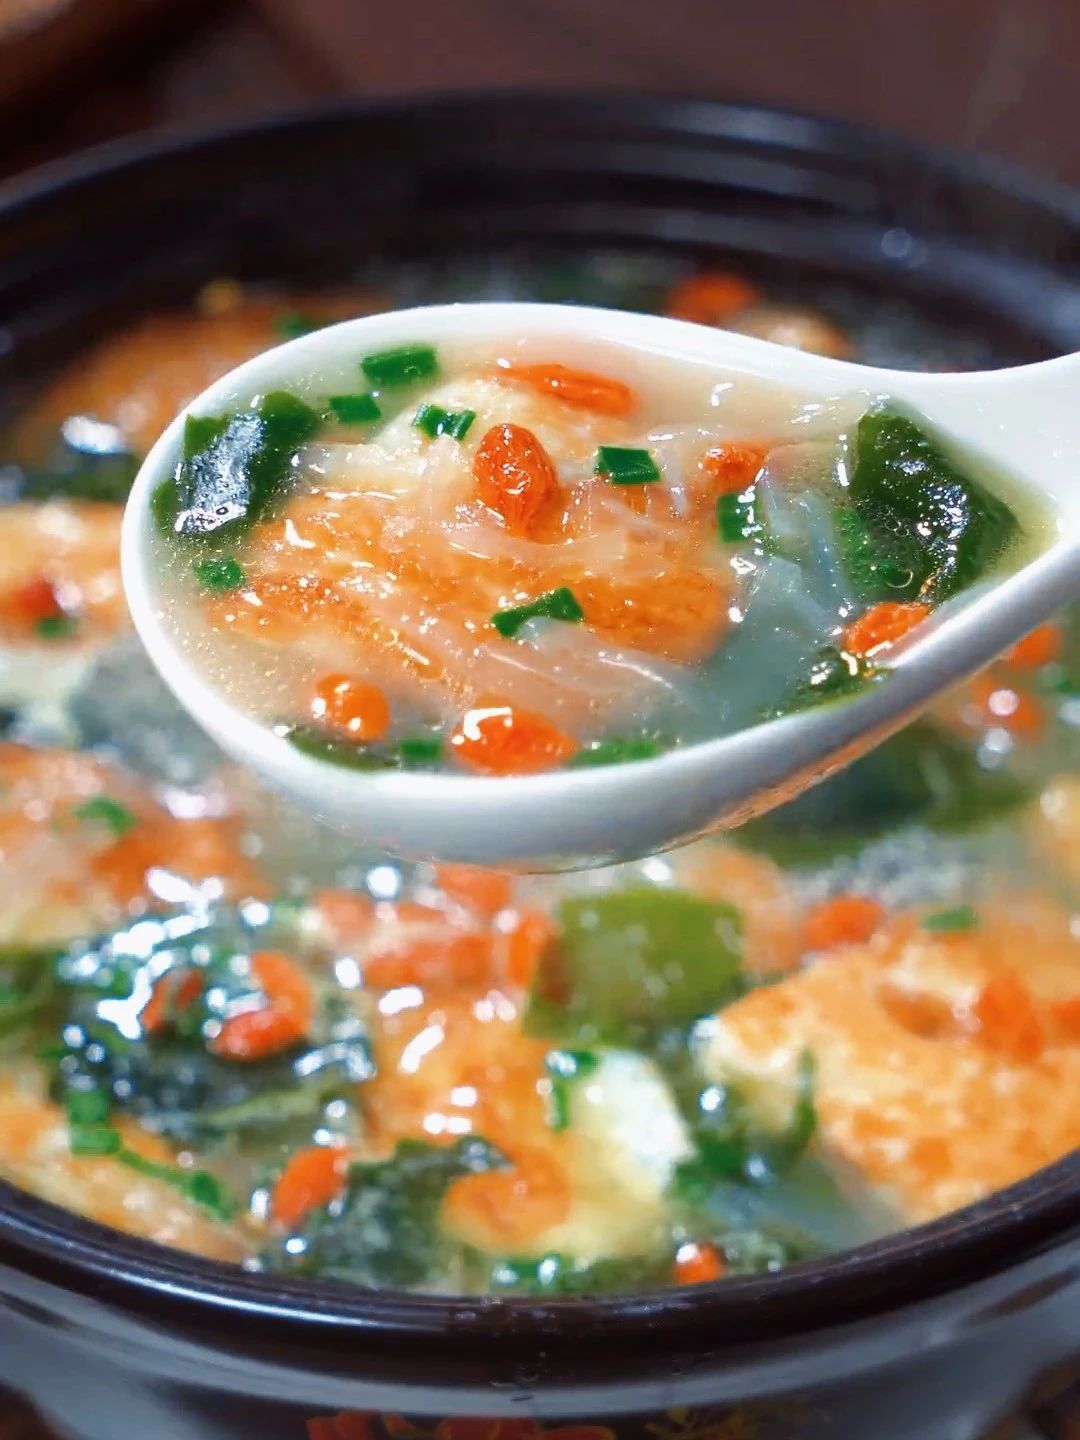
87, 1107
433, 420
951, 921
404, 365
197, 1185
354, 409
234, 468
731, 1142
220, 573
834, 675
921, 775
99, 808
565, 1068
555, 605
316, 743
291, 324
926, 513
616, 751
79, 475
632, 962
624, 466
384, 1229
56, 627
419, 752
170, 1079
94, 1140
26, 985
737, 518
562, 1275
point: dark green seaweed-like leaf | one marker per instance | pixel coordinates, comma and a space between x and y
234, 468
384, 1229
929, 518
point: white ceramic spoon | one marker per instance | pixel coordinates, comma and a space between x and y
1025, 421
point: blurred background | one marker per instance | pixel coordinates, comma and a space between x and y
993, 75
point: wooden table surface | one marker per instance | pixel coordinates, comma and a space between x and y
996, 75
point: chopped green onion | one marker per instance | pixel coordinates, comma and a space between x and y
56, 627
402, 366
294, 323
117, 817
555, 605
563, 1068
94, 1140
946, 922
626, 467
223, 572
417, 751
616, 752
433, 420
736, 517
87, 1108
312, 741
354, 409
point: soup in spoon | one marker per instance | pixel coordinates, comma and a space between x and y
508, 558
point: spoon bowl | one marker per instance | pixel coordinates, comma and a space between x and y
1024, 422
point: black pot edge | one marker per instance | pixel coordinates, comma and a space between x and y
48, 1243
801, 129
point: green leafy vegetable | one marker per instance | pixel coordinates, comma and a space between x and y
220, 572
404, 365
196, 1185
433, 420
565, 1068
316, 743
930, 519
171, 1079
617, 751
26, 985
921, 775
555, 605
554, 1274
101, 809
234, 468
87, 1107
948, 922
730, 1140
624, 466
94, 1140
833, 675
354, 409
384, 1229
291, 324
631, 962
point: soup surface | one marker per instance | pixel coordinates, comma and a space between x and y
223, 1029
506, 559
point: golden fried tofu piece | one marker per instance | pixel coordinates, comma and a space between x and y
947, 1064
35, 1154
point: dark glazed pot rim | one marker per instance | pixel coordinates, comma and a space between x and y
52, 1246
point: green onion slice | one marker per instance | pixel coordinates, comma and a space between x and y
736, 517
117, 817
555, 605
626, 467
221, 573
433, 420
401, 366
354, 409
947, 922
